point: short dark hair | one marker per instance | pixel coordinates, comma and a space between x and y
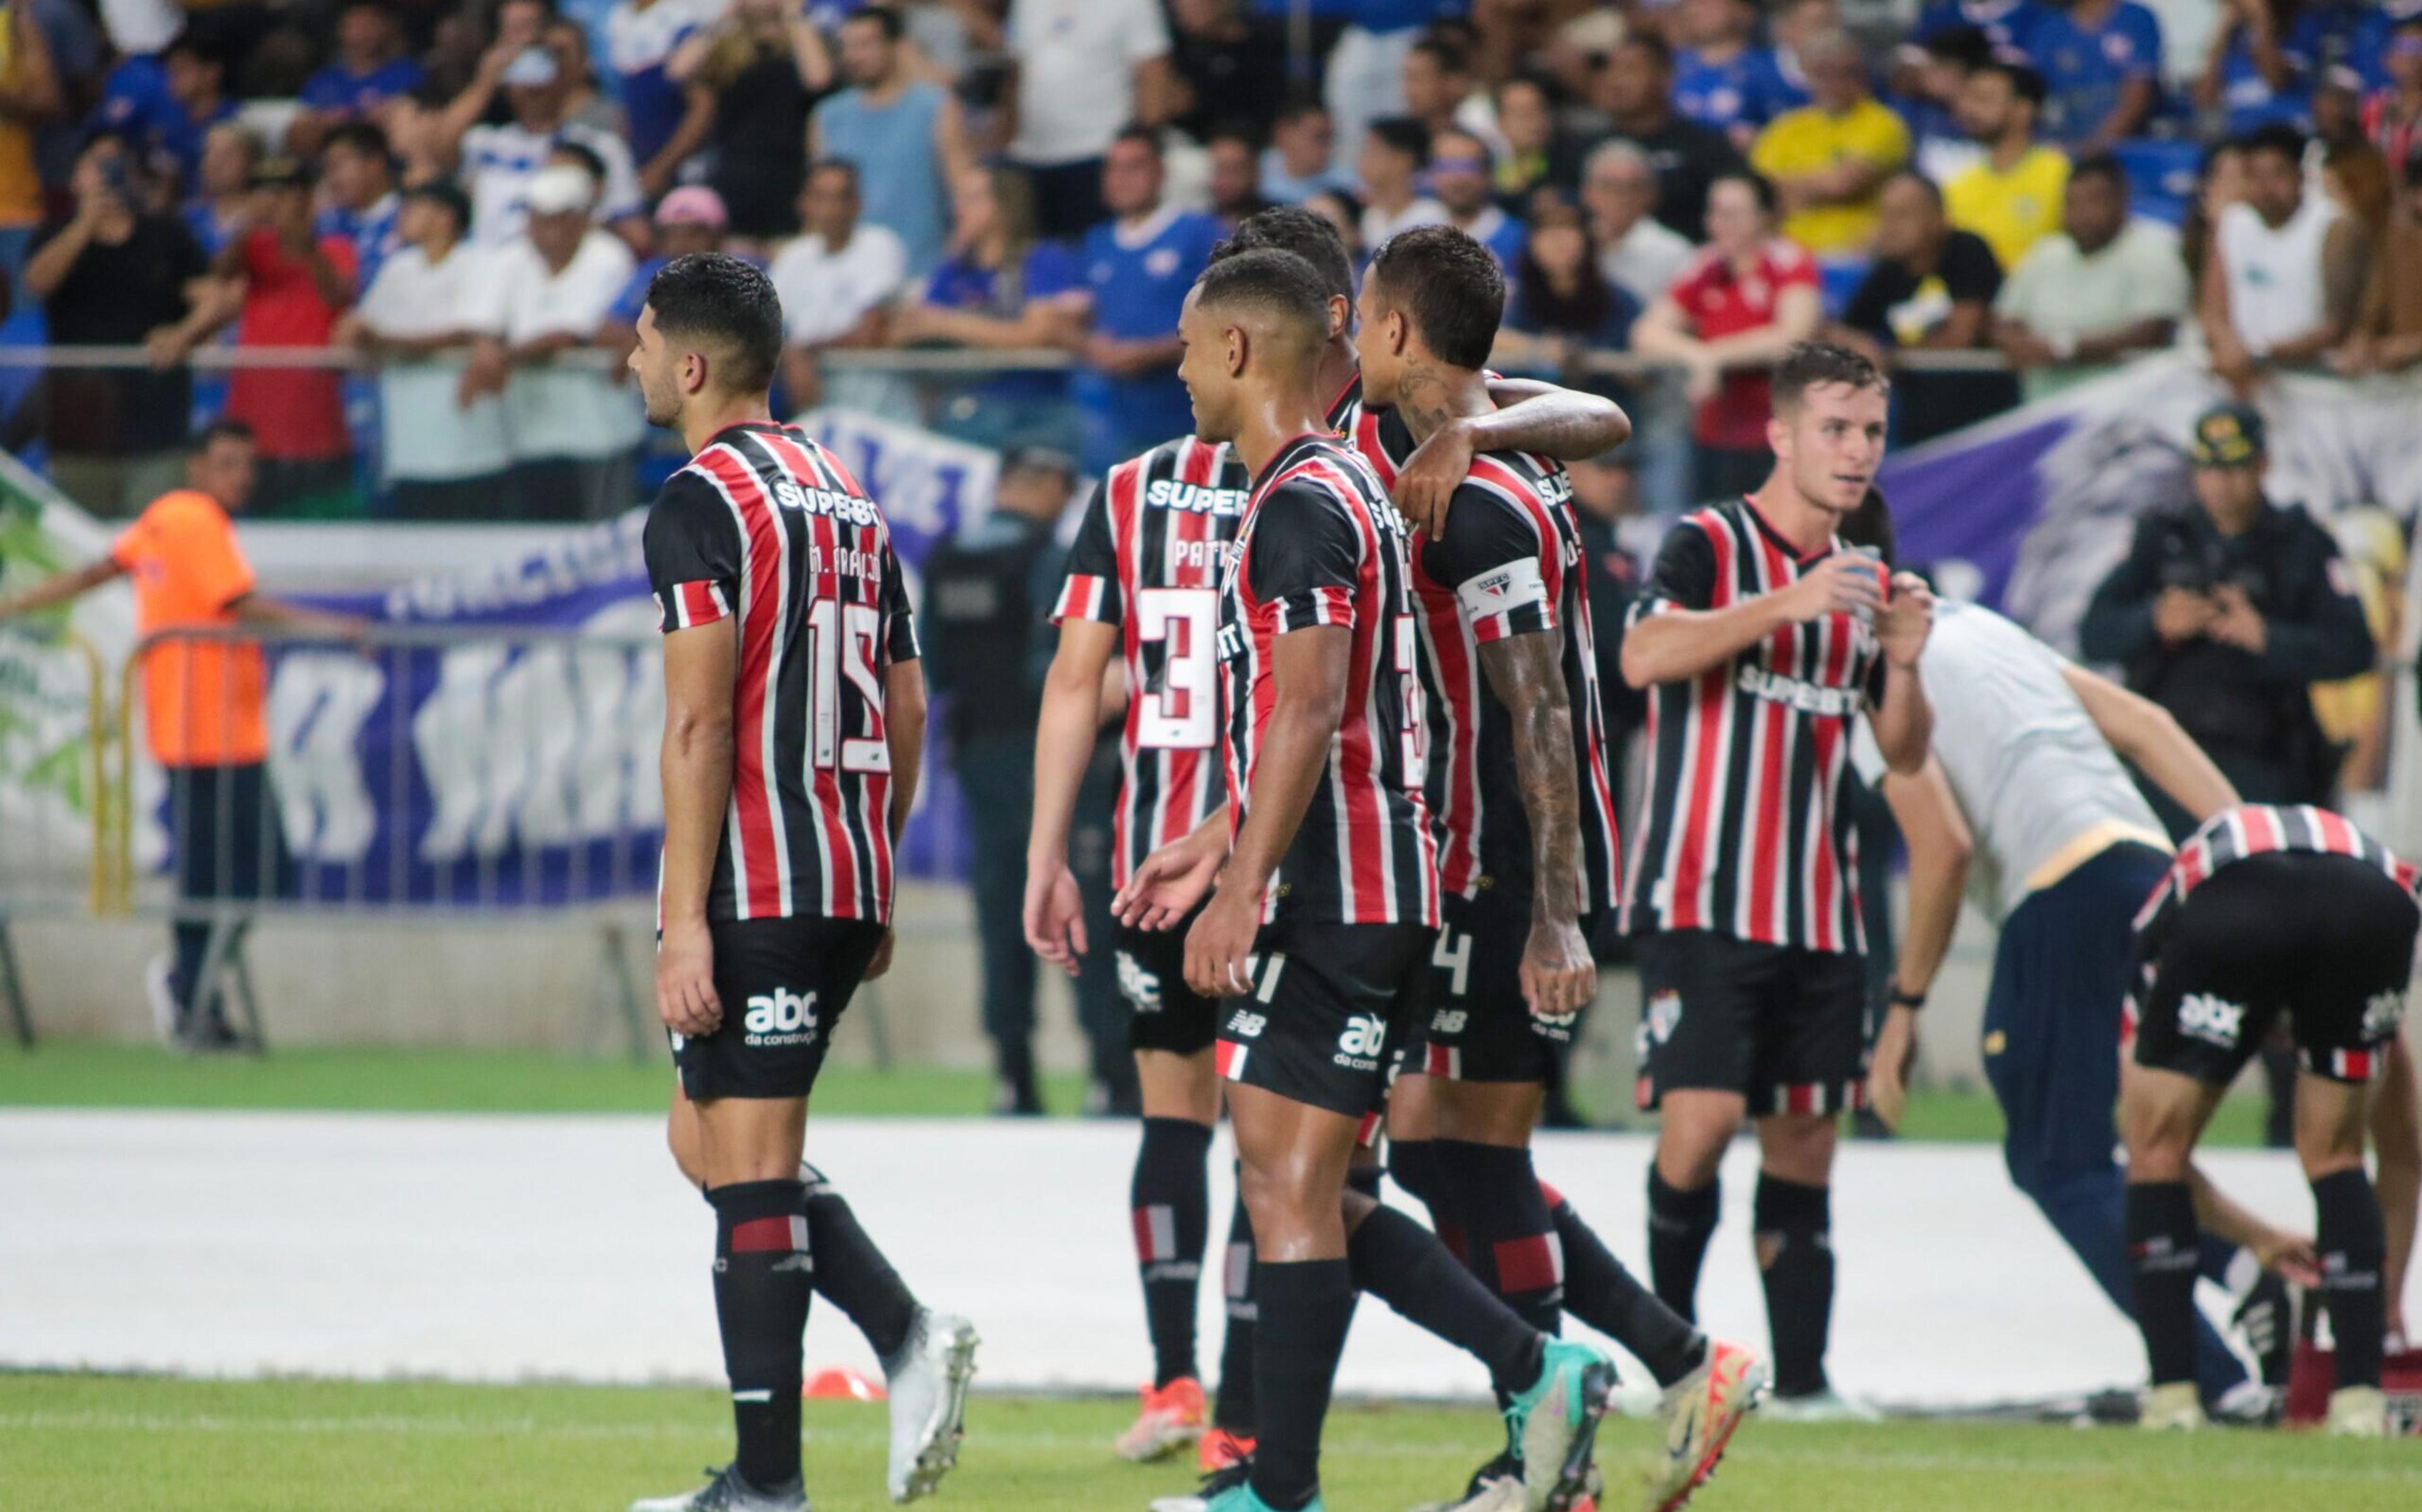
718, 297
1140, 133
1968, 46
1443, 49
894, 27
1265, 279
1660, 52
1306, 233
585, 155
1917, 177
1813, 364
1299, 104
195, 44
842, 165
1404, 134
217, 430
366, 137
1760, 184
2105, 165
2278, 137
1448, 285
444, 193
2025, 82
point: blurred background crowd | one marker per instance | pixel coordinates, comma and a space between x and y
412, 236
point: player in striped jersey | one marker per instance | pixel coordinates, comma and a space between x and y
1519, 778
1764, 639
1151, 547
794, 724
2266, 911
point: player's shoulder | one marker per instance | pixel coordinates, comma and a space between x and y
1520, 481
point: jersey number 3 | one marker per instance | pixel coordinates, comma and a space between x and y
1183, 713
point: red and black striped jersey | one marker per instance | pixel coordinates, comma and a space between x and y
1321, 545
764, 525
1746, 829
2257, 829
1508, 563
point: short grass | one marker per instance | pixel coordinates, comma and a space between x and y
122, 1443
71, 1073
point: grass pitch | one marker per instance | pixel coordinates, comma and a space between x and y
113, 1442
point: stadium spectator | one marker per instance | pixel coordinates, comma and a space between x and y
1341, 211
2392, 113
1926, 90
1721, 77
500, 163
1442, 93
1827, 159
2261, 67
1534, 151
115, 275
442, 432
1741, 302
1137, 268
2107, 287
642, 37
163, 104
1562, 307
2355, 178
1637, 252
1083, 71
1395, 151
1230, 68
2386, 336
2101, 63
1366, 80
2012, 198
205, 705
72, 45
751, 80
357, 180
573, 423
222, 195
2285, 268
837, 282
416, 135
30, 94
689, 220
1796, 24
1301, 158
907, 137
2219, 182
584, 102
1460, 172
2007, 25
1931, 290
1236, 176
371, 68
1635, 88
998, 289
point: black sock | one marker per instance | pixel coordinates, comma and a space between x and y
763, 1276
1170, 1200
1509, 1242
1403, 1264
2354, 1250
1232, 1407
2162, 1250
1680, 1225
1307, 1305
1793, 1227
1602, 1292
853, 1275
1409, 1161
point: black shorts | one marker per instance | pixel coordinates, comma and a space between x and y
784, 984
1478, 1028
1329, 1003
1783, 1025
1167, 1014
2326, 940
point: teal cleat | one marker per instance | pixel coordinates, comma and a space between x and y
1240, 1498
1552, 1426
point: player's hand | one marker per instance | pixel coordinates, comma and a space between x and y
1907, 621
1431, 475
1558, 976
2290, 1257
2236, 622
1888, 1073
1055, 915
881, 961
686, 998
1217, 946
1167, 886
1843, 583
2181, 614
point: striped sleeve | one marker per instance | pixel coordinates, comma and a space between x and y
1491, 551
1091, 589
1304, 558
899, 619
692, 546
1684, 574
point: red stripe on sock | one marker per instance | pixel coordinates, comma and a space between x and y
761, 1234
1527, 1264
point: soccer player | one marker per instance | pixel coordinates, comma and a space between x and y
1765, 639
1142, 583
2266, 911
1320, 924
793, 722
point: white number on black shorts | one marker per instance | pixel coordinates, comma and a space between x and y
1452, 955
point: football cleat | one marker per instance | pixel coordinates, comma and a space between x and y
1219, 1449
2176, 1407
1173, 1417
2357, 1413
1553, 1425
1215, 1485
927, 1384
1699, 1414
1240, 1498
1495, 1486
2268, 1322
1826, 1406
725, 1492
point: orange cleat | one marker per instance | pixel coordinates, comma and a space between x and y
1173, 1417
1219, 1449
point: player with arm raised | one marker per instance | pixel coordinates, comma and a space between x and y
794, 725
1518, 779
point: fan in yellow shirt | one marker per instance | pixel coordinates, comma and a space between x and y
1828, 160
2012, 198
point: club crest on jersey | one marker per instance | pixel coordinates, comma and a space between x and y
1140, 988
2212, 1020
2381, 1015
1664, 1012
1359, 1046
1195, 498
779, 1018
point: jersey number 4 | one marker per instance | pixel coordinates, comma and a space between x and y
842, 639
1183, 713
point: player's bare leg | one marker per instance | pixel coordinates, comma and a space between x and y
1170, 1200
2329, 1120
2162, 1116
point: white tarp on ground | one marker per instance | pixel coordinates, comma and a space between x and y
504, 1247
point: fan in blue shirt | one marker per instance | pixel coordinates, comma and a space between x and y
1720, 79
1137, 267
2258, 83
164, 104
2101, 63
370, 68
2008, 24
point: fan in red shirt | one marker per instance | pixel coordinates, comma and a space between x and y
1733, 312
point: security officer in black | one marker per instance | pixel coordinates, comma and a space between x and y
986, 586
2227, 611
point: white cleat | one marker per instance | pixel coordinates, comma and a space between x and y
2177, 1408
2357, 1413
927, 1383
1827, 1405
727, 1492
1699, 1414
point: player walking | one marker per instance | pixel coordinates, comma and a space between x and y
1764, 638
793, 722
2266, 911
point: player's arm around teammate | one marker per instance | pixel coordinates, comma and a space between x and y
1524, 414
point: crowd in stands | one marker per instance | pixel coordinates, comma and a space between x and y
476, 193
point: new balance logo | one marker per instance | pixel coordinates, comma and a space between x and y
780, 1018
1358, 1047
1248, 1025
2381, 1015
1449, 1021
1140, 988
2207, 1019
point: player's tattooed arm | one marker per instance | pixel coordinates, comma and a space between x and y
1526, 673
1530, 416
